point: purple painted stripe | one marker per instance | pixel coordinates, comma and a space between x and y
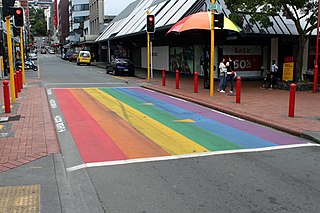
263, 132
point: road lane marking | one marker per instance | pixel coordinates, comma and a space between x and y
184, 156
170, 140
225, 114
59, 124
84, 83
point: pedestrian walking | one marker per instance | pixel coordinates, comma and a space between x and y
273, 74
222, 74
230, 75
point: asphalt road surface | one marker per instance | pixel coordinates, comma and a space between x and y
197, 160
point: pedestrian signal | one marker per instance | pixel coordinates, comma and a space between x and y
7, 7
150, 24
18, 17
219, 20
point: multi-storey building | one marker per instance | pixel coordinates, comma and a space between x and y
78, 13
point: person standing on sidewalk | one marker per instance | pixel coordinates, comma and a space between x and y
206, 82
273, 74
222, 74
230, 75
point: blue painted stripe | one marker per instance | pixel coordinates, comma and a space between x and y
236, 136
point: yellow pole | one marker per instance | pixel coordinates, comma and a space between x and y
22, 56
212, 53
148, 47
148, 40
2, 67
9, 43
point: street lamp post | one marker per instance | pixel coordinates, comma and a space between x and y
315, 73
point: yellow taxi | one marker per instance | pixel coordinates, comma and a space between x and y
84, 57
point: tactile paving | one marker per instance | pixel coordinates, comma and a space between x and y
20, 199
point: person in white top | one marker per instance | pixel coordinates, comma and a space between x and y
222, 75
273, 74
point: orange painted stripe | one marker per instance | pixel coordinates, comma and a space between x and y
131, 142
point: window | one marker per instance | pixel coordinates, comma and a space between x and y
80, 7
79, 19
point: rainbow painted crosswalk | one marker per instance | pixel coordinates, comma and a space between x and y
110, 124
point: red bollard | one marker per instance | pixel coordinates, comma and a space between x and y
6, 96
21, 81
18, 81
292, 100
20, 78
196, 82
238, 90
177, 79
16, 85
163, 77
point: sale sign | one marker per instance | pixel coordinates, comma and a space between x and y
246, 58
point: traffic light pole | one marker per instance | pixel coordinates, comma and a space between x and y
22, 56
212, 53
148, 46
10, 58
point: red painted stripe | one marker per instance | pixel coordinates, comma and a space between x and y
93, 143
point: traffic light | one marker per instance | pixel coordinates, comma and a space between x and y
18, 17
7, 7
219, 20
150, 24
16, 31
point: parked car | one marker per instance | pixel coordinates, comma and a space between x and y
73, 56
66, 55
120, 66
51, 51
84, 57
33, 56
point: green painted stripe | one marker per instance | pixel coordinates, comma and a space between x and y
195, 133
170, 140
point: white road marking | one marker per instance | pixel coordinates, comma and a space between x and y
49, 92
179, 99
231, 116
59, 124
53, 104
81, 83
175, 157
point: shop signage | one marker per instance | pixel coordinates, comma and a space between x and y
288, 66
246, 58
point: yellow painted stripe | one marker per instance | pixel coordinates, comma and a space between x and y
184, 121
1, 127
170, 140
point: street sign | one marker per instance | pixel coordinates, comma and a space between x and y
214, 6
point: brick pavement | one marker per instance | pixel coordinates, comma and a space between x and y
32, 136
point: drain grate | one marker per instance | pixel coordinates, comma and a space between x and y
14, 118
20, 199
11, 118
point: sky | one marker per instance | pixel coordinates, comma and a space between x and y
114, 7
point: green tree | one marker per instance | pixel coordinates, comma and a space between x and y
302, 12
38, 22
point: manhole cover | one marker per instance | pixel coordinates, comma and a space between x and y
20, 199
